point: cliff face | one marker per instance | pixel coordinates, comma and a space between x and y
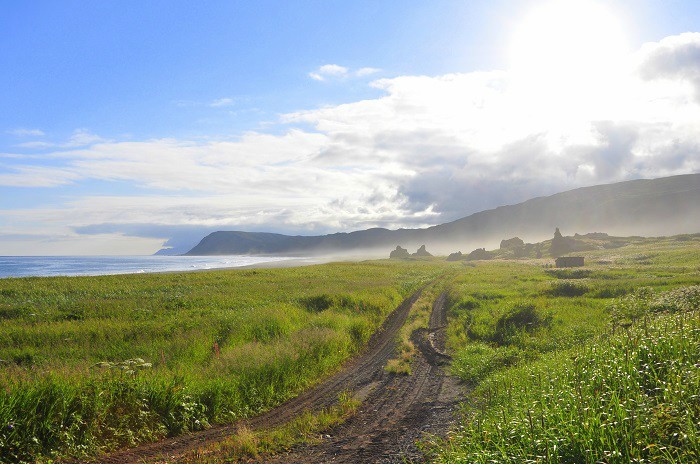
664, 206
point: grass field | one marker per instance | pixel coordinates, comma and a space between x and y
93, 363
593, 365
597, 364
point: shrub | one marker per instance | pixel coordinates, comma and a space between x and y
610, 291
568, 287
521, 318
509, 328
317, 303
569, 273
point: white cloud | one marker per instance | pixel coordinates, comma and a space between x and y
674, 58
83, 137
79, 138
36, 144
328, 71
185, 103
431, 149
37, 176
366, 71
333, 70
478, 140
72, 244
222, 102
21, 132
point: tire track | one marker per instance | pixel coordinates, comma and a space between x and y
398, 411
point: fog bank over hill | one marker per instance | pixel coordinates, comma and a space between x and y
664, 206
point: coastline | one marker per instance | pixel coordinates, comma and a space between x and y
94, 266
279, 264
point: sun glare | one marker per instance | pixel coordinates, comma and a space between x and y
569, 37
566, 55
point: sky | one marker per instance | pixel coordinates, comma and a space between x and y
129, 125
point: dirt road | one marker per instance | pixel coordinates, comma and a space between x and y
396, 409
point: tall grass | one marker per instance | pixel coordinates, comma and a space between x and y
246, 445
633, 398
90, 364
610, 377
503, 314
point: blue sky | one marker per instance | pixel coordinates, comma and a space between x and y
154, 69
129, 123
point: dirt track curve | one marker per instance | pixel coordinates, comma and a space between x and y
396, 410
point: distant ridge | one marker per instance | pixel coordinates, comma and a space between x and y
647, 207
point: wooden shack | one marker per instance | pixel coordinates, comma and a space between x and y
569, 261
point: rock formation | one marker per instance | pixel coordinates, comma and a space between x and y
514, 242
399, 253
479, 253
560, 246
422, 252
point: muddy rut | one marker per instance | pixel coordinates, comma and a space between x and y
396, 410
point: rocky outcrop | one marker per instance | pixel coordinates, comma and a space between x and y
560, 245
399, 253
564, 245
422, 252
515, 242
456, 256
479, 253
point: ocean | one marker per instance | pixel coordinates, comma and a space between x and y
45, 266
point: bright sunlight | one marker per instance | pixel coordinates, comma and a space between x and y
568, 39
566, 59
